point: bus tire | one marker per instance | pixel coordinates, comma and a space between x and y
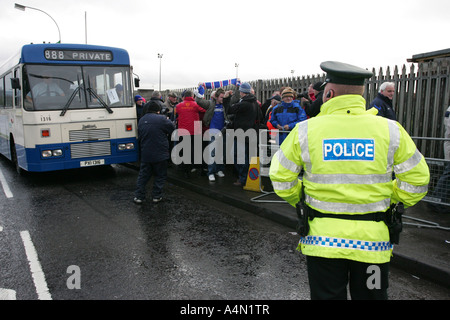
14, 156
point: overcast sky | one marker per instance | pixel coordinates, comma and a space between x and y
202, 40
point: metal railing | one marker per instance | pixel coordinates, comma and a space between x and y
439, 187
268, 145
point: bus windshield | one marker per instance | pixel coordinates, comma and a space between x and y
76, 87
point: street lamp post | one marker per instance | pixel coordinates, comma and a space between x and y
22, 8
236, 65
160, 59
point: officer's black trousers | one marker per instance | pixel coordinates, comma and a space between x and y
328, 279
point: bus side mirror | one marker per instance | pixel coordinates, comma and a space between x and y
136, 82
15, 83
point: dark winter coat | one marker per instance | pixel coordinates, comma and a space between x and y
247, 113
312, 109
384, 106
154, 132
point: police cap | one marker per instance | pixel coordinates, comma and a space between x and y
343, 73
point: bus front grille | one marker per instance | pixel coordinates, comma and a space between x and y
92, 149
89, 135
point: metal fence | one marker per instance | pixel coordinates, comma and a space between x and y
439, 186
267, 147
422, 94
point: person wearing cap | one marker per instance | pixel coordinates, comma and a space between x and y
312, 108
139, 106
274, 101
155, 98
171, 102
272, 132
383, 101
267, 104
247, 114
348, 155
153, 131
287, 114
169, 107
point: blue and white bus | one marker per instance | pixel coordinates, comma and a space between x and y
65, 106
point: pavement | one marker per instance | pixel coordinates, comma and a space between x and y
423, 250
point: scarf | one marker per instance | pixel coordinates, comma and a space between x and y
218, 84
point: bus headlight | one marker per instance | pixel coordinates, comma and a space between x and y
57, 153
126, 146
46, 153
51, 153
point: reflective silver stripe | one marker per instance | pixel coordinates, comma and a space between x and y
408, 164
410, 188
284, 185
304, 146
340, 243
286, 163
348, 178
394, 143
348, 207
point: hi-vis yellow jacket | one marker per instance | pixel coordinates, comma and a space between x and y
348, 155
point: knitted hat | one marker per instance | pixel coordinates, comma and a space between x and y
152, 107
288, 92
137, 98
245, 87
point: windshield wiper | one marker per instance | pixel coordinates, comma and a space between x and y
91, 91
72, 96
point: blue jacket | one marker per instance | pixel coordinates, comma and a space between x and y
154, 134
287, 113
384, 106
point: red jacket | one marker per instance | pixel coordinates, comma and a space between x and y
271, 128
188, 112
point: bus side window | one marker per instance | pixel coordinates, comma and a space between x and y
2, 94
8, 91
26, 90
15, 84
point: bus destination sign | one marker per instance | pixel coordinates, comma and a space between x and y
78, 55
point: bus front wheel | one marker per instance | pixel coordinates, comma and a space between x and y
14, 156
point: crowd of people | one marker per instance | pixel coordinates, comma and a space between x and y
192, 117
225, 109
346, 198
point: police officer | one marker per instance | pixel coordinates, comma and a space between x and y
348, 155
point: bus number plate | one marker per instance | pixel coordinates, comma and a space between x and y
89, 163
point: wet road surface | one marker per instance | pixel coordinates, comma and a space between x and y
93, 242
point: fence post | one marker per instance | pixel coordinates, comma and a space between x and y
412, 82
